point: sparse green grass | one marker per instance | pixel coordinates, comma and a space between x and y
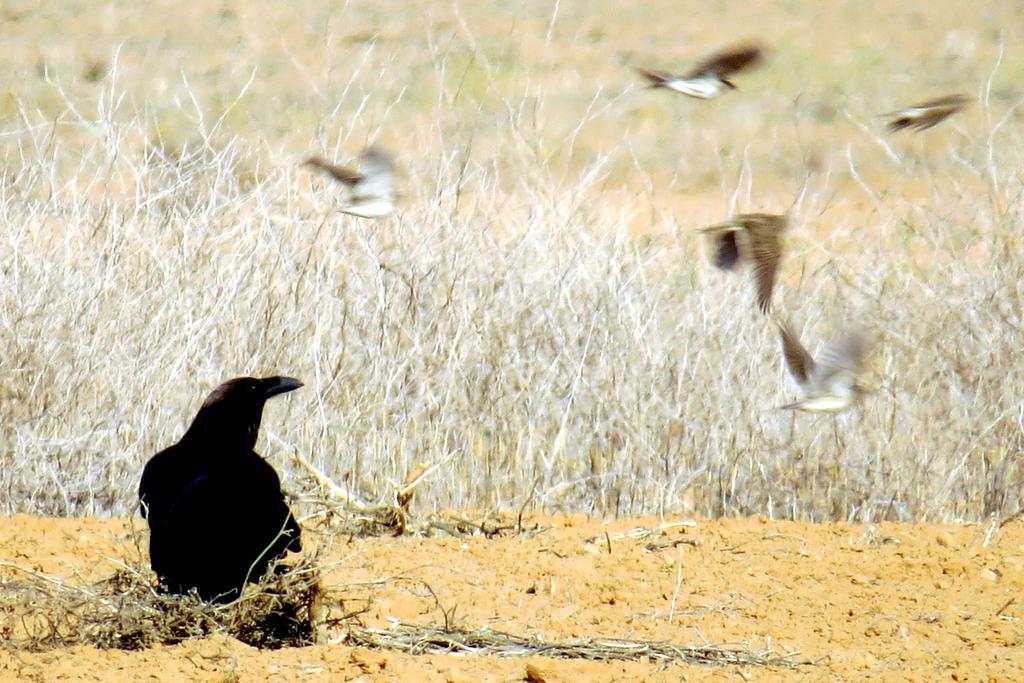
540, 308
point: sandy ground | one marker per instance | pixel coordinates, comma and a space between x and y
893, 602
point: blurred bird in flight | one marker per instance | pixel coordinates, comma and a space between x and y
828, 385
927, 114
710, 77
754, 238
371, 191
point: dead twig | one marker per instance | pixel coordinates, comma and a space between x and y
999, 612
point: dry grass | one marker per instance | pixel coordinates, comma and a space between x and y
539, 314
419, 640
39, 612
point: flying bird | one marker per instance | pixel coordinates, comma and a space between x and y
710, 77
217, 517
753, 237
927, 114
371, 192
828, 385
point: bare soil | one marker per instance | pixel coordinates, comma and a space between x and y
893, 602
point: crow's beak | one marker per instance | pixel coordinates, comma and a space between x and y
272, 386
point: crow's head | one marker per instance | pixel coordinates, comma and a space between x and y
232, 411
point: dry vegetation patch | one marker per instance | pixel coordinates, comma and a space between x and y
539, 316
124, 611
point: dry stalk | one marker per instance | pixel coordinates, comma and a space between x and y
431, 640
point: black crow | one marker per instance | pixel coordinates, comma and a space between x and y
217, 517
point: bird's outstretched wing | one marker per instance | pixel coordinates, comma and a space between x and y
798, 361
728, 61
340, 173
765, 231
844, 356
655, 79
